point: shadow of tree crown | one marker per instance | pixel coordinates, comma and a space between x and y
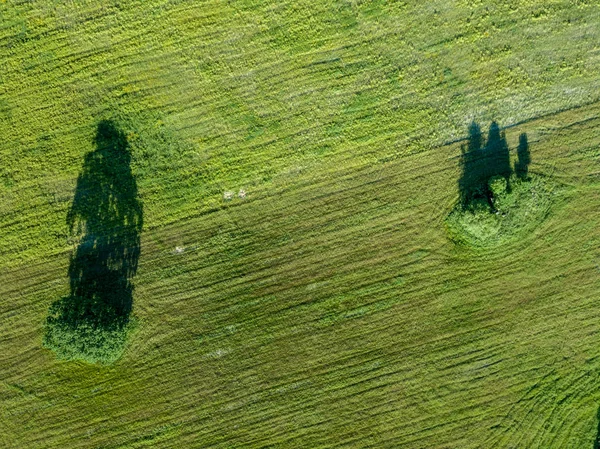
106, 212
107, 217
482, 160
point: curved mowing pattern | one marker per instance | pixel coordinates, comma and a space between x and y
497, 205
325, 307
337, 314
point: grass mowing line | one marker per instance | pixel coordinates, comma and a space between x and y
432, 164
321, 428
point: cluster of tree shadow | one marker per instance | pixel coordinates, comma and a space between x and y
483, 159
106, 215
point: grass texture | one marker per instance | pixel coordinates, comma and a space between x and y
296, 162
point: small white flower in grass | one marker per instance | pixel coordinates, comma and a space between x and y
242, 193
179, 249
227, 195
217, 354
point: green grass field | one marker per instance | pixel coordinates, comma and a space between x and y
329, 306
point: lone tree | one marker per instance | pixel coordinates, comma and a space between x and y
91, 323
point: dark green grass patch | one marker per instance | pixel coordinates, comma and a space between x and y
497, 204
513, 213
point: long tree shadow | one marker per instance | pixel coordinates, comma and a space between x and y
481, 160
524, 158
106, 216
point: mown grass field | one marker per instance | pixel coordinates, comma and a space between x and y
327, 308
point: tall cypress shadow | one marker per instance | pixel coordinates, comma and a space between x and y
480, 161
107, 217
522, 164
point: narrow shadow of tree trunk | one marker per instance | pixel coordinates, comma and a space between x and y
106, 216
